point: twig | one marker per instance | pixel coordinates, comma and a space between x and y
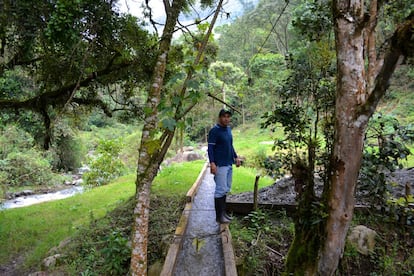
274, 251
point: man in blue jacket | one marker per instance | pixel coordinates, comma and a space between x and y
222, 156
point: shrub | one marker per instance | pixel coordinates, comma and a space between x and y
27, 169
22, 164
106, 165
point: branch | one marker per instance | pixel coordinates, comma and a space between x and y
399, 45
154, 24
60, 95
94, 102
223, 102
192, 24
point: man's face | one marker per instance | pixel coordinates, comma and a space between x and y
225, 120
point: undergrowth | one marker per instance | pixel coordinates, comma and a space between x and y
103, 247
261, 242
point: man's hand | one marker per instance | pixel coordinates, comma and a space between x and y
238, 162
213, 168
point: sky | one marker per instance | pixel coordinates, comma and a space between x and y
134, 7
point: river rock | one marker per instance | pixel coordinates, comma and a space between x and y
23, 193
191, 156
60, 247
38, 273
363, 238
52, 261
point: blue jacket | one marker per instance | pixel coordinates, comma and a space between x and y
220, 146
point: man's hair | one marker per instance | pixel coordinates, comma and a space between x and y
224, 112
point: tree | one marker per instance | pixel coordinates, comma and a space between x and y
363, 75
154, 145
70, 54
264, 29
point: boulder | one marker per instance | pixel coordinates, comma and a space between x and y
363, 238
191, 156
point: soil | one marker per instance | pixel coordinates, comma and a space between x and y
282, 191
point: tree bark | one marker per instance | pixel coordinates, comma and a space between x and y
152, 149
357, 96
349, 131
148, 162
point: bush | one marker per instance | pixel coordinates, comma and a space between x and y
106, 165
22, 164
27, 169
70, 152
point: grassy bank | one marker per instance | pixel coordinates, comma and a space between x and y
31, 231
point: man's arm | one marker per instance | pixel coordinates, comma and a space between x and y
210, 150
236, 158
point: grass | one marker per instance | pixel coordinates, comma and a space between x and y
244, 177
177, 178
35, 229
251, 140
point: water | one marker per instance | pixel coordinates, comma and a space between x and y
34, 199
202, 252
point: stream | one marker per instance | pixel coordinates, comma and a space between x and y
23, 201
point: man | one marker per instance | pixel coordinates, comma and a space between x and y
222, 156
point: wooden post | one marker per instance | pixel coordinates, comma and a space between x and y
256, 187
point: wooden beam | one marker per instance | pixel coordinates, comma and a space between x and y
228, 252
194, 188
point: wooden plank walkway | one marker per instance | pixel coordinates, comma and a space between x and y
201, 246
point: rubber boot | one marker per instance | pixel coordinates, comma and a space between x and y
227, 216
217, 208
221, 210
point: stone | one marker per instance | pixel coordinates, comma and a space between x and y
52, 261
191, 156
155, 269
38, 273
363, 238
188, 148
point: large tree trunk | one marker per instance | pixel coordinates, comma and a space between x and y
350, 129
148, 161
357, 96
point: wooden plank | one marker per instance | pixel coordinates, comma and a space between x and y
194, 188
228, 252
175, 246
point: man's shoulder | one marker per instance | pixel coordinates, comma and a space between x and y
215, 128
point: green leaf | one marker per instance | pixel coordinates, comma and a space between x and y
168, 123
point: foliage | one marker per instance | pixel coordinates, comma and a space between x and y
68, 147
246, 36
305, 111
385, 146
254, 238
312, 19
22, 163
106, 165
59, 56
